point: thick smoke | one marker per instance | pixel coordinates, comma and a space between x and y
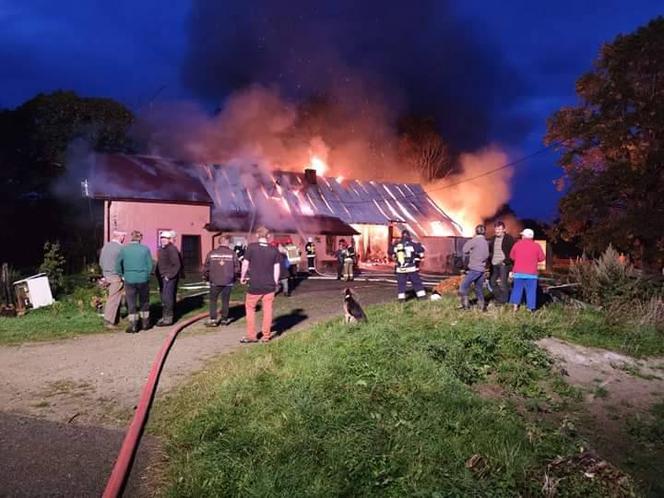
408, 56
472, 196
257, 125
298, 79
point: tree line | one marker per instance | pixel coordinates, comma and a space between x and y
611, 148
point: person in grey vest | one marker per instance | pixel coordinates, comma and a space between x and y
115, 287
476, 253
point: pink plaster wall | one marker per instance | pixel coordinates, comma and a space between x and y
150, 217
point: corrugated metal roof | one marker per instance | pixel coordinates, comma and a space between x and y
237, 192
241, 190
145, 178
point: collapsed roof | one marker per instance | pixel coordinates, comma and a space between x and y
242, 196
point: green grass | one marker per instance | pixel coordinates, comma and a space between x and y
590, 328
382, 409
66, 318
73, 315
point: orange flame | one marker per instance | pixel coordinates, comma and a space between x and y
318, 164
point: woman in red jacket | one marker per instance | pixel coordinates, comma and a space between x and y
526, 253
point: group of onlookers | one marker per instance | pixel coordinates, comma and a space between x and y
506, 260
126, 270
266, 266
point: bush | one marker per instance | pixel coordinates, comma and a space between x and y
54, 266
611, 280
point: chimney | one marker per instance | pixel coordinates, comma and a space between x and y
310, 176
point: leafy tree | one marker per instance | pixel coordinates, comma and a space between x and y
612, 146
34, 141
34, 137
422, 147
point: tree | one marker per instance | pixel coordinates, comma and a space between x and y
422, 147
34, 142
35, 136
612, 146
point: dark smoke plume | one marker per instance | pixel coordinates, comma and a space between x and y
416, 56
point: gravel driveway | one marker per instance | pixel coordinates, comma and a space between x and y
65, 404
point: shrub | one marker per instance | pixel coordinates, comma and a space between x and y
610, 280
636, 312
53, 265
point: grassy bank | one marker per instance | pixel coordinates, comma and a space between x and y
594, 328
389, 408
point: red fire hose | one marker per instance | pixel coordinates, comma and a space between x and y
118, 479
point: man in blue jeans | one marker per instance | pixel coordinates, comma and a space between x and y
476, 253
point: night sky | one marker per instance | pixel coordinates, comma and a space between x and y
520, 57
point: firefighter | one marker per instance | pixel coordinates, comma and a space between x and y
239, 249
406, 254
310, 249
294, 256
221, 265
340, 255
349, 262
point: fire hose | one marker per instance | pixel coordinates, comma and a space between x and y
122, 467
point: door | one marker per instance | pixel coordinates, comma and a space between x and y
191, 254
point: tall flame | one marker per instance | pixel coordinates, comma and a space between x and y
318, 164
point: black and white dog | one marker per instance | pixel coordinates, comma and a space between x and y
353, 312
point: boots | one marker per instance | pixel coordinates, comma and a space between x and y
145, 321
166, 320
133, 325
465, 303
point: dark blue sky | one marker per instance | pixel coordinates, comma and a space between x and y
133, 50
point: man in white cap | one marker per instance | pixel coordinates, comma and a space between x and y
526, 253
169, 266
115, 287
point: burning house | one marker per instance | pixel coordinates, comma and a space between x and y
200, 201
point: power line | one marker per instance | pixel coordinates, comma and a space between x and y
465, 180
504, 166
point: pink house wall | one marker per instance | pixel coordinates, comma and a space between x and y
150, 217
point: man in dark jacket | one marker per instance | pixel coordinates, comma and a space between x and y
219, 269
169, 266
500, 246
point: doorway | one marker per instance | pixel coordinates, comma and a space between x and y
191, 253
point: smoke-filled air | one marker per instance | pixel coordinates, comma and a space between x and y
298, 95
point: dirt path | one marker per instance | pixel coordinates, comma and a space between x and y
80, 391
615, 415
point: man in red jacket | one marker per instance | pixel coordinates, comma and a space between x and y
526, 253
